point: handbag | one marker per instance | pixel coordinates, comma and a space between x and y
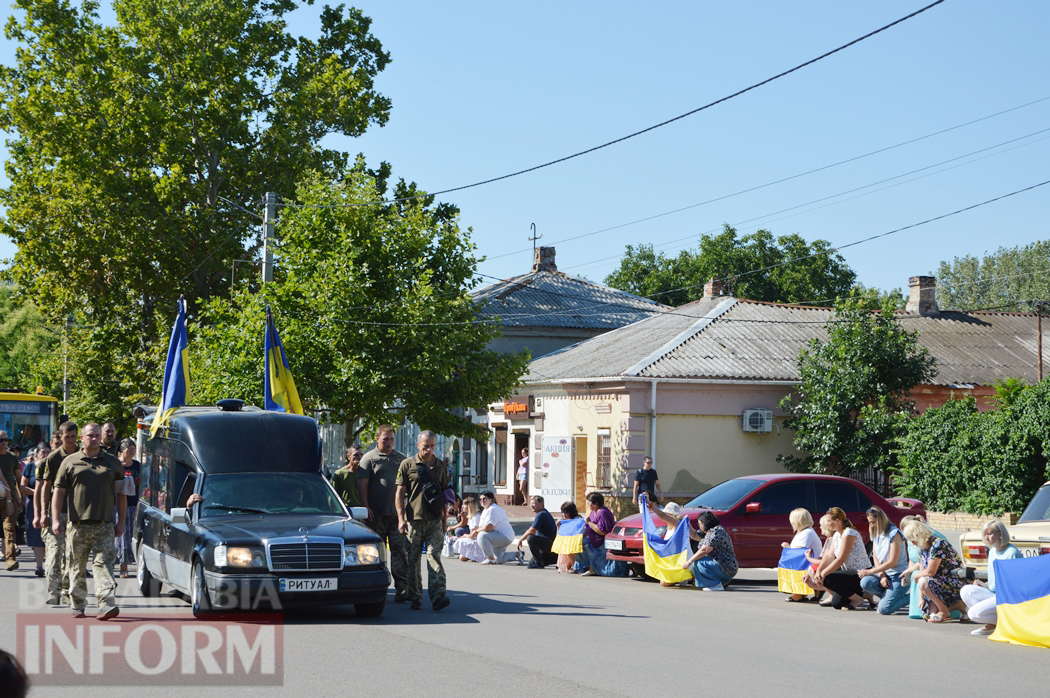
432, 495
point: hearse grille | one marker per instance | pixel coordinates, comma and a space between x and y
287, 557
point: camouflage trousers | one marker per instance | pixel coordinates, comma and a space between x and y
386, 528
55, 559
433, 534
80, 540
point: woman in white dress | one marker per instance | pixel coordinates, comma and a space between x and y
466, 546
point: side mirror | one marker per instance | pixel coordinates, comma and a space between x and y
359, 513
753, 508
180, 515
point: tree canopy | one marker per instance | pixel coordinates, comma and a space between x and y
1007, 279
817, 275
373, 309
852, 399
27, 345
135, 146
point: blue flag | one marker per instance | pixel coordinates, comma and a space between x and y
175, 392
664, 558
280, 394
791, 570
1022, 601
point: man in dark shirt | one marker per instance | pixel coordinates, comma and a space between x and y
540, 536
376, 481
54, 543
9, 512
109, 439
92, 481
421, 524
646, 480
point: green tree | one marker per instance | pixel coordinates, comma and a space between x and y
1007, 279
27, 346
373, 309
956, 458
852, 400
129, 141
818, 275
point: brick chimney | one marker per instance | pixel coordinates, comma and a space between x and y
922, 299
713, 288
543, 259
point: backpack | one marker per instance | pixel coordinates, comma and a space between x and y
432, 494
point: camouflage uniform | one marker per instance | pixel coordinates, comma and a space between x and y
433, 534
82, 538
55, 561
386, 528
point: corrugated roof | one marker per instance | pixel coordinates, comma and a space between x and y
555, 299
749, 340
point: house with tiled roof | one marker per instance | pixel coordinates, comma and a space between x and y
699, 386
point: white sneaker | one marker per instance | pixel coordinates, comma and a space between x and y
982, 631
714, 588
488, 562
588, 573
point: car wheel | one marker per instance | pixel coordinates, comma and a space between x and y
638, 569
148, 586
370, 610
199, 592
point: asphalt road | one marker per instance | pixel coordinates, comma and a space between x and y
511, 631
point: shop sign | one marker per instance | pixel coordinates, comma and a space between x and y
517, 407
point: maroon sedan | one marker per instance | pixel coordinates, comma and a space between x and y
754, 510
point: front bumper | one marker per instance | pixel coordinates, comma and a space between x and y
249, 592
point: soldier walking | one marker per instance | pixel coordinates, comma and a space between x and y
420, 523
376, 477
54, 543
92, 479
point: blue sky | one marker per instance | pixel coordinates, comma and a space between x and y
480, 90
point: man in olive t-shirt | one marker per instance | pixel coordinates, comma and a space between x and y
377, 486
420, 523
9, 510
92, 480
344, 480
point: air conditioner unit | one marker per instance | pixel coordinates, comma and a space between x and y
758, 421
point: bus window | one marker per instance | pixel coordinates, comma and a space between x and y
27, 419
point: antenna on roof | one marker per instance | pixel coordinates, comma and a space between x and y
534, 237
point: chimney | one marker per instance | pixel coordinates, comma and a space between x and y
543, 259
713, 288
922, 299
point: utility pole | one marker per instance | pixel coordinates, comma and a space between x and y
269, 213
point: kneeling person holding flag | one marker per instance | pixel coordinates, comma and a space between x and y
665, 557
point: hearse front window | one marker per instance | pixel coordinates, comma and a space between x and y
268, 493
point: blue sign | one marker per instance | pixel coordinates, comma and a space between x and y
28, 407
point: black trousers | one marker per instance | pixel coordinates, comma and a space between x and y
843, 585
540, 547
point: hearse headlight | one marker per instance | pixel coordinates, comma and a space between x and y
245, 557
360, 554
220, 555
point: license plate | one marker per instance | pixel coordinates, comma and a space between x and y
616, 545
324, 584
1030, 551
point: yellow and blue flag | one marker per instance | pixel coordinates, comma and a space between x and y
175, 392
569, 540
664, 558
280, 393
1022, 601
790, 571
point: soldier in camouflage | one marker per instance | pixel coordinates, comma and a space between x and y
54, 545
420, 523
92, 480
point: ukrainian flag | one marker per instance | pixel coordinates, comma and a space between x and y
280, 393
570, 537
1022, 601
175, 392
790, 571
664, 558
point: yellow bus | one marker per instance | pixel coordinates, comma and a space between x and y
28, 419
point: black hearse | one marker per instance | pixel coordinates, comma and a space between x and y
270, 531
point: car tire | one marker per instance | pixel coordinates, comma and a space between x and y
148, 586
199, 598
370, 610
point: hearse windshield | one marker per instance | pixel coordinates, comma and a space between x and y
268, 493
722, 497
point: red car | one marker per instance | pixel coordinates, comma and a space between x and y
754, 511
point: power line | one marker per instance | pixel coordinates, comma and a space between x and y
782, 180
636, 133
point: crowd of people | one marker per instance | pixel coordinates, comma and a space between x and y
69, 501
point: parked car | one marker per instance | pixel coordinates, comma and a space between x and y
1031, 535
754, 511
270, 531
